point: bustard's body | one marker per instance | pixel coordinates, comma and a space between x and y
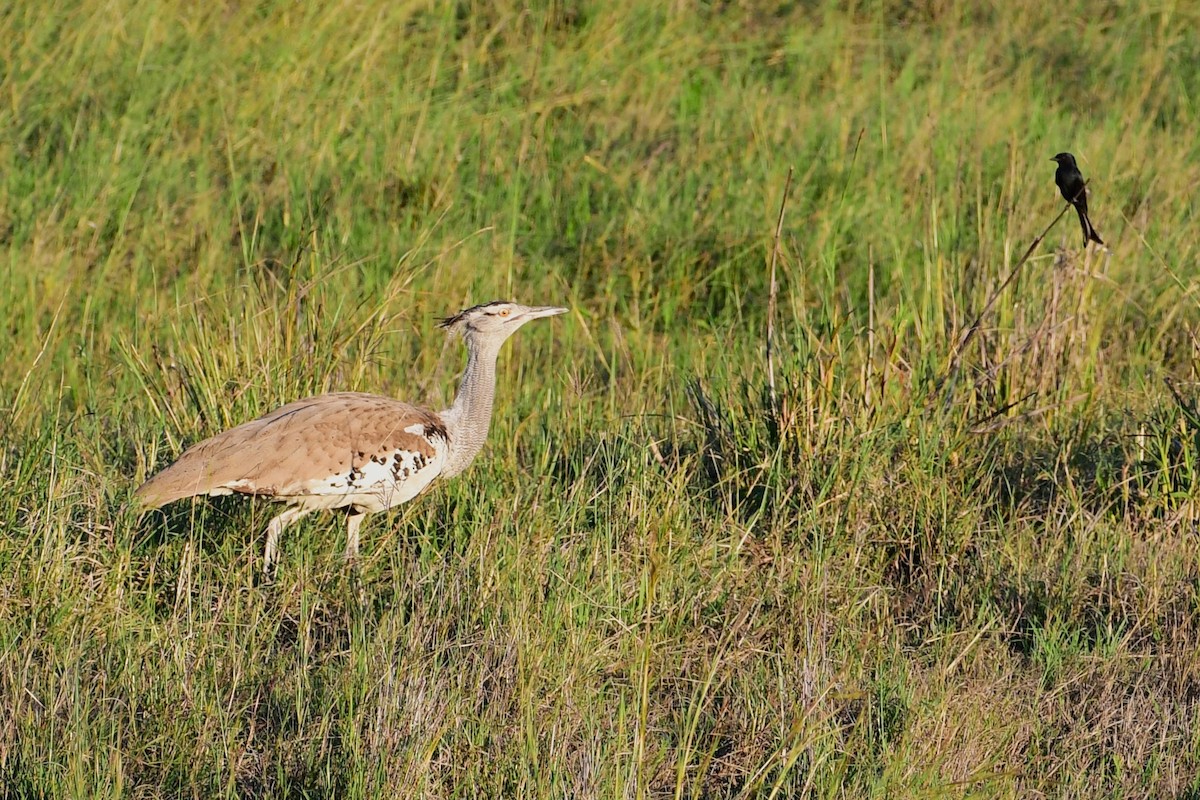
347, 450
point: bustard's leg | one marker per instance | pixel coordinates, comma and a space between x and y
274, 528
354, 521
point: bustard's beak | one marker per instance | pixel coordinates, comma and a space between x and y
545, 311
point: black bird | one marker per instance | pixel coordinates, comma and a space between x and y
1070, 183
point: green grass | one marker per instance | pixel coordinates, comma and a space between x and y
896, 579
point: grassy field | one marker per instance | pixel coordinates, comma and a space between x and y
912, 568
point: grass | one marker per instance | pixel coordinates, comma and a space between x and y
895, 579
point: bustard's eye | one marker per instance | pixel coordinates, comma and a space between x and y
504, 312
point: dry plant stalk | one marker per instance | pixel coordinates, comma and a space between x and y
951, 373
774, 291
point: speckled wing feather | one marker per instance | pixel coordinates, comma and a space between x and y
330, 446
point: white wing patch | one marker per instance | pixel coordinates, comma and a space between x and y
381, 481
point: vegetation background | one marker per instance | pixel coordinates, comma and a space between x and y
915, 569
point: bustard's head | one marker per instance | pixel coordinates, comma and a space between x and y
495, 321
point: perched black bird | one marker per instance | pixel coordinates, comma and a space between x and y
1070, 183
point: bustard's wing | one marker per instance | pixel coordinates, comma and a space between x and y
310, 447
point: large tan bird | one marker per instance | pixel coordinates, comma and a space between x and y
347, 450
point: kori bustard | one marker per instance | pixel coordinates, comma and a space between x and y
358, 452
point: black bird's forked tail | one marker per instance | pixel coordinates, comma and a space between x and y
1089, 232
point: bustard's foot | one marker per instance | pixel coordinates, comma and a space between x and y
265, 575
270, 561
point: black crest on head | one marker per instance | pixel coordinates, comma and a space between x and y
454, 323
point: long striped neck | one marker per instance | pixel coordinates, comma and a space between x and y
467, 421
